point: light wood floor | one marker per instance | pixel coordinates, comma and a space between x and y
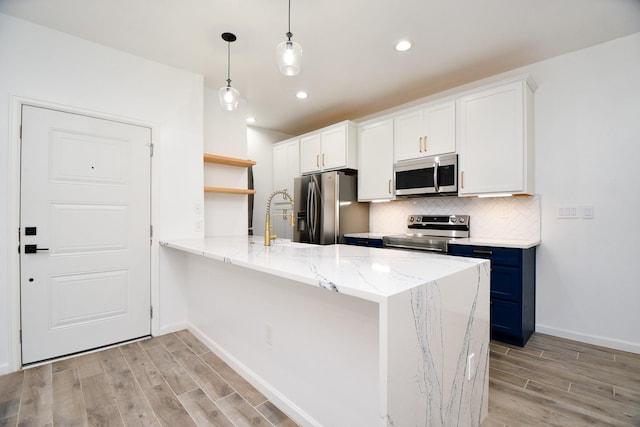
557, 382
174, 380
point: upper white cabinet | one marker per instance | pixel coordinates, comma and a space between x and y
425, 131
330, 148
286, 166
495, 145
375, 160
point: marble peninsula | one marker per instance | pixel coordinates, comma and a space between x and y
344, 335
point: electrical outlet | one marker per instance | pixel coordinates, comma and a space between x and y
197, 226
586, 212
471, 368
268, 333
197, 209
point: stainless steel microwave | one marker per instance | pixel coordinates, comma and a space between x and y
427, 176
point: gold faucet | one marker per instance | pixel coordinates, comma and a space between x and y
268, 236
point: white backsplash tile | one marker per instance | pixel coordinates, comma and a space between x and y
499, 218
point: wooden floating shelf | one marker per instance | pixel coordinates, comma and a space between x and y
228, 190
229, 161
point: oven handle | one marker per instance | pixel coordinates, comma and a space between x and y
436, 164
419, 248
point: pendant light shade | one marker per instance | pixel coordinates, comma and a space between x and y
289, 53
229, 96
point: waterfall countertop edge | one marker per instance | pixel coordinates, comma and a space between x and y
371, 274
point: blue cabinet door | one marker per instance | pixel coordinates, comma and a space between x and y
512, 290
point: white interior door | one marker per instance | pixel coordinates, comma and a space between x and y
84, 233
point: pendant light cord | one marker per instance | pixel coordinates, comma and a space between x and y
228, 64
289, 35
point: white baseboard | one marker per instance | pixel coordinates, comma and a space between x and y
278, 399
168, 329
5, 369
590, 339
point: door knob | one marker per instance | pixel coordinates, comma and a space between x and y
32, 249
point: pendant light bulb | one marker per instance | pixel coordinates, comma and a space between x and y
228, 95
289, 53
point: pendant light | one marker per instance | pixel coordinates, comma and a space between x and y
289, 53
228, 96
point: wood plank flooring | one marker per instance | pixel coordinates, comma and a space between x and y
174, 380
557, 382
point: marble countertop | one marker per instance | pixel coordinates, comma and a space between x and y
473, 241
369, 273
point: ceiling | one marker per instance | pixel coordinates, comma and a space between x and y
349, 67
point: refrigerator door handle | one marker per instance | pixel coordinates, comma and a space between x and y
315, 210
309, 207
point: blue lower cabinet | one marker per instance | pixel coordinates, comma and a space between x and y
364, 241
513, 290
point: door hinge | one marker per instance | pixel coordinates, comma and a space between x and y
20, 132
20, 336
151, 149
151, 231
151, 312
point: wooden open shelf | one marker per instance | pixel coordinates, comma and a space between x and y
229, 161
228, 190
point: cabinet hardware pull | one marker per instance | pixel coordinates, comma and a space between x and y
462, 179
425, 143
322, 159
482, 252
420, 145
317, 160
389, 186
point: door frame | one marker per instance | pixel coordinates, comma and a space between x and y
13, 214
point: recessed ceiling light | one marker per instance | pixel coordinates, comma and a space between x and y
302, 95
403, 45
251, 120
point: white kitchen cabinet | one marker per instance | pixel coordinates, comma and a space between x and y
495, 146
426, 131
375, 160
330, 148
286, 166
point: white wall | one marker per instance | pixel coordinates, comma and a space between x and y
52, 67
587, 152
225, 134
260, 143
587, 145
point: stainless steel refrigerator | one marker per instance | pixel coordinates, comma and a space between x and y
326, 207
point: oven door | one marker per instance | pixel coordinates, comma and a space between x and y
427, 176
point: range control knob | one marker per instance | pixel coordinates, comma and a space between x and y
411, 219
462, 220
453, 219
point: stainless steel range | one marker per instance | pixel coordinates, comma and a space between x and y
431, 233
